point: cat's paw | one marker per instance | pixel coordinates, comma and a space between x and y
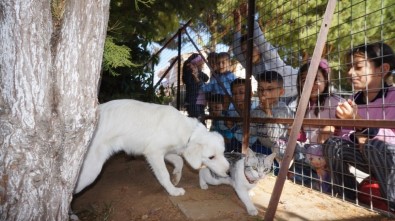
251, 193
253, 212
204, 186
177, 191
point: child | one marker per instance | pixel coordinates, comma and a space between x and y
194, 79
238, 92
371, 150
212, 62
215, 103
270, 89
322, 105
220, 82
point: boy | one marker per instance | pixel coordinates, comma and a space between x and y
215, 103
224, 77
212, 62
270, 89
238, 94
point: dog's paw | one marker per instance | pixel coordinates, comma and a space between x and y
177, 192
175, 179
252, 212
204, 186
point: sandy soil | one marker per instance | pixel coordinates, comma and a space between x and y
128, 190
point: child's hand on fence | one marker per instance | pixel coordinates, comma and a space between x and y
237, 19
236, 15
266, 106
243, 9
195, 71
347, 110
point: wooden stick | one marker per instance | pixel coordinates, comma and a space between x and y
247, 101
312, 72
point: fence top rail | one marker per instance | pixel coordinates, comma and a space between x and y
316, 122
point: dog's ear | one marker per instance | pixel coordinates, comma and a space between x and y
194, 150
193, 155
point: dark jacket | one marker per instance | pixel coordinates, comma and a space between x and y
192, 87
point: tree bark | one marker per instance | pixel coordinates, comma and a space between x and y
50, 64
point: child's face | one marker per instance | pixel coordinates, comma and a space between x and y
362, 73
216, 108
223, 65
238, 95
319, 84
269, 93
213, 64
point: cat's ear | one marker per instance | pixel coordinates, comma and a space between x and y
272, 156
250, 153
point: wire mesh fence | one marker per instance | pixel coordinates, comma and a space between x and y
243, 70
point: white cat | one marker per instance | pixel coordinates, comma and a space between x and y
245, 172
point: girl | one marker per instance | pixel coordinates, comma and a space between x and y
194, 79
371, 150
322, 105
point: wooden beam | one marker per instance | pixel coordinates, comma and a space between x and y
247, 96
316, 122
302, 106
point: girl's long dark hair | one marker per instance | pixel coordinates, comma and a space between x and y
322, 96
378, 52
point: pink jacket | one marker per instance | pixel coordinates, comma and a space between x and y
381, 108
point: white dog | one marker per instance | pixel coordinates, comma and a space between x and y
159, 133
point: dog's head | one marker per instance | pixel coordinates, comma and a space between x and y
206, 149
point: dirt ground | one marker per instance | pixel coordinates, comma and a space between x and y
127, 190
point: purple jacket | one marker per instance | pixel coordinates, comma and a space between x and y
380, 108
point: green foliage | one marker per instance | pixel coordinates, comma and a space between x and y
130, 82
153, 20
293, 27
166, 95
136, 24
115, 56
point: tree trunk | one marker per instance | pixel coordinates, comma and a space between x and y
50, 60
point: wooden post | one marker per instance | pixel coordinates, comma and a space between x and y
312, 72
247, 98
179, 71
